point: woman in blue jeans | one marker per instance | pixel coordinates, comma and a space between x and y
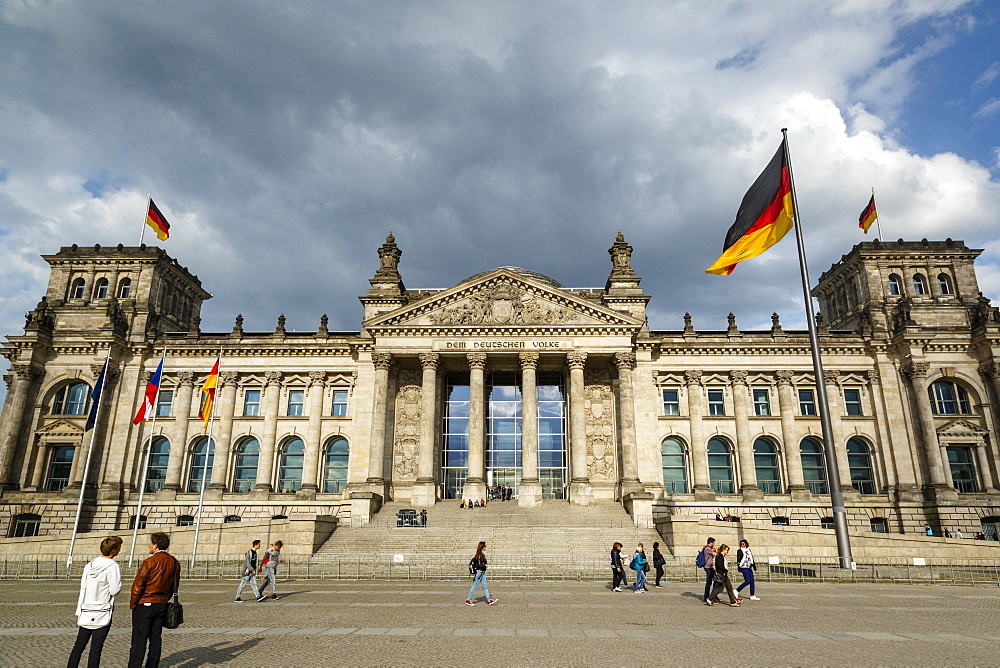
639, 565
478, 565
744, 559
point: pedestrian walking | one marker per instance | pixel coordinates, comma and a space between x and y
270, 563
708, 563
640, 566
658, 562
722, 580
250, 574
423, 517
155, 582
747, 566
100, 583
617, 569
477, 567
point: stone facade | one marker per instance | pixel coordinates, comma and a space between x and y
508, 378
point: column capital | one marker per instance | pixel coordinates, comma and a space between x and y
625, 360
95, 370
185, 378
990, 369
738, 376
272, 377
915, 369
528, 360
872, 375
430, 360
382, 360
26, 371
831, 377
476, 360
229, 378
317, 377
784, 376
693, 376
576, 359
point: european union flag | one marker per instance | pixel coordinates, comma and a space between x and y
95, 398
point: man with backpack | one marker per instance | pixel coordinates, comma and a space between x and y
706, 560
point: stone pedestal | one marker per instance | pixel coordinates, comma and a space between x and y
474, 490
580, 494
363, 506
424, 493
529, 494
640, 506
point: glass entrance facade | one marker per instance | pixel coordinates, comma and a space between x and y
455, 435
503, 429
552, 434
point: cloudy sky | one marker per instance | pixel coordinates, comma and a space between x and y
284, 141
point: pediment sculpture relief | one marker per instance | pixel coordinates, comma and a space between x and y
504, 303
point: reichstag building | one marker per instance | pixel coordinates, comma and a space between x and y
508, 378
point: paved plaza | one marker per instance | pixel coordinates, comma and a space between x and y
329, 623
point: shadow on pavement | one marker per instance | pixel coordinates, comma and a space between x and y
216, 653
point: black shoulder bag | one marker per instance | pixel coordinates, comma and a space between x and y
174, 616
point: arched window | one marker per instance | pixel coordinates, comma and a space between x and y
949, 398
765, 461
156, 472
919, 284
245, 471
202, 457
944, 284
335, 466
185, 520
25, 525
60, 466
895, 287
72, 399
77, 290
859, 460
124, 288
813, 466
674, 466
290, 468
101, 289
142, 522
720, 467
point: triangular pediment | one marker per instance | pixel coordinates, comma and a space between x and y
60, 429
500, 299
959, 428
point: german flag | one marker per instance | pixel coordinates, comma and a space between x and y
157, 221
868, 216
764, 217
208, 393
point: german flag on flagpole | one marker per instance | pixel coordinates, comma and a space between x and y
157, 221
764, 217
208, 393
868, 216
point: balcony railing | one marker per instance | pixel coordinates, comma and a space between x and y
966, 486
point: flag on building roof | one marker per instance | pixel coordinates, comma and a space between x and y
208, 393
868, 216
149, 400
95, 397
764, 217
157, 221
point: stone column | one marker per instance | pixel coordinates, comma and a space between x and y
698, 448
630, 458
178, 438
88, 288
376, 442
265, 462
916, 373
310, 462
10, 431
834, 396
985, 473
223, 442
793, 456
475, 483
530, 492
744, 442
37, 473
991, 373
424, 492
579, 492
946, 465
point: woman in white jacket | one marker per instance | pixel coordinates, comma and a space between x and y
101, 582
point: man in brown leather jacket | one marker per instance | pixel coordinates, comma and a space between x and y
155, 582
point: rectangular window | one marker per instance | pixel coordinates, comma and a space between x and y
852, 402
671, 402
807, 402
339, 402
296, 400
164, 402
716, 402
761, 403
251, 403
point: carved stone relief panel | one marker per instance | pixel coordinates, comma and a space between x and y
600, 420
406, 435
504, 302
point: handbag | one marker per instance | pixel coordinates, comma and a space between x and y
645, 567
720, 578
174, 616
94, 618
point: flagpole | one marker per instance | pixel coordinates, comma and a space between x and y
204, 478
149, 198
86, 467
829, 447
878, 219
145, 467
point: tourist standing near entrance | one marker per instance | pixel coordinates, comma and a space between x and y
617, 569
747, 566
477, 565
722, 580
658, 562
423, 517
250, 574
156, 581
640, 566
271, 558
100, 583
708, 558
